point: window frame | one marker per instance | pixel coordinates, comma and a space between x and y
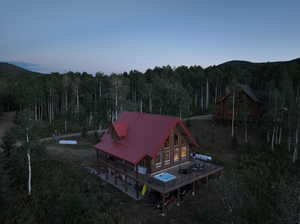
167, 162
176, 152
186, 152
159, 163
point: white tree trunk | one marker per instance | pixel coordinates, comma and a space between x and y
49, 107
273, 138
100, 89
246, 132
268, 136
41, 110
280, 135
295, 154
207, 94
276, 136
66, 110
141, 105
90, 119
66, 127
66, 101
29, 174
202, 98
150, 103
29, 165
52, 107
216, 93
35, 112
116, 103
233, 115
77, 99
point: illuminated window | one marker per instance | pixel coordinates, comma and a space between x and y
176, 139
158, 160
166, 157
183, 152
167, 142
176, 154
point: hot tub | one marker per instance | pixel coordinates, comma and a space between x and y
164, 177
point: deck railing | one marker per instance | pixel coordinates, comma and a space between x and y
182, 179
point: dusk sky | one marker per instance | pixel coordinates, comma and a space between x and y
116, 36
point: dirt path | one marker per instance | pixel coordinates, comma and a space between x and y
6, 122
70, 135
200, 117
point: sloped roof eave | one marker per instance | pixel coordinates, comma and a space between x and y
133, 161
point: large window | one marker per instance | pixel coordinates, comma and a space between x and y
176, 139
166, 157
183, 152
176, 154
158, 161
167, 142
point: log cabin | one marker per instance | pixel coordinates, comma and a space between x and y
145, 151
245, 101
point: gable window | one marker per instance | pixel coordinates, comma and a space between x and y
183, 152
158, 160
167, 142
176, 154
166, 155
176, 139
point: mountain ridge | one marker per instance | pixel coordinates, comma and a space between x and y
15, 70
8, 69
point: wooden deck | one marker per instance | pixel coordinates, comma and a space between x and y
208, 169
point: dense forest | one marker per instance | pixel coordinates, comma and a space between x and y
80, 101
267, 180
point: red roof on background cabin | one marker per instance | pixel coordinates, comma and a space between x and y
145, 135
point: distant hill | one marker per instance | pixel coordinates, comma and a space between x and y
7, 69
243, 63
262, 72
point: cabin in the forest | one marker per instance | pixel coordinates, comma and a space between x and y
142, 153
243, 101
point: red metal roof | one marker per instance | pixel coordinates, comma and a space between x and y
145, 135
120, 128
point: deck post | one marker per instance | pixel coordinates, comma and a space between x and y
163, 204
126, 184
220, 174
106, 173
178, 197
137, 189
116, 181
125, 169
136, 182
193, 192
207, 182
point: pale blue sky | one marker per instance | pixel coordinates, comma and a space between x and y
116, 36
